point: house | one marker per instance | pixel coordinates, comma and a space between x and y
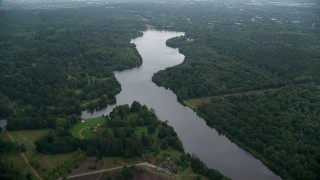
172, 166
96, 128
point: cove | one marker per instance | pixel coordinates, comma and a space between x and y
215, 150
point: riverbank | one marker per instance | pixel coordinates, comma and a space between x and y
211, 147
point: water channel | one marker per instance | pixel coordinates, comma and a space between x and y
215, 150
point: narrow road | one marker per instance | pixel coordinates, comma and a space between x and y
115, 168
11, 104
81, 132
25, 158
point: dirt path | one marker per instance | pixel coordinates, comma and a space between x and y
115, 168
25, 158
81, 132
11, 105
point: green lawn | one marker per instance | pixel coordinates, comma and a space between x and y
85, 127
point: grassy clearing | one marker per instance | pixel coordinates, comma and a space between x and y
75, 129
28, 137
46, 162
17, 160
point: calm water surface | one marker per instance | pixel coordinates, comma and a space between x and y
215, 150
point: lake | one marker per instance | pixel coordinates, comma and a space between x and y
215, 150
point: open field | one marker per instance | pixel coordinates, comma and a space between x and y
85, 127
42, 163
46, 163
28, 137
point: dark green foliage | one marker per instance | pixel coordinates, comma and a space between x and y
200, 168
166, 131
175, 143
10, 147
22, 148
5, 109
119, 137
56, 63
223, 57
164, 145
66, 166
169, 137
147, 141
233, 51
135, 106
280, 126
127, 172
58, 142
9, 172
151, 129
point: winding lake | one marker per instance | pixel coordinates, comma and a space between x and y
215, 150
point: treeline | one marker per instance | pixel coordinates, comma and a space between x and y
56, 63
9, 171
199, 167
11, 147
281, 127
58, 142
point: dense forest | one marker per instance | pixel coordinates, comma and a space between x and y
57, 63
260, 66
280, 126
228, 50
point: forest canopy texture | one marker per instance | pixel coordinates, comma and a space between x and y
56, 63
258, 67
